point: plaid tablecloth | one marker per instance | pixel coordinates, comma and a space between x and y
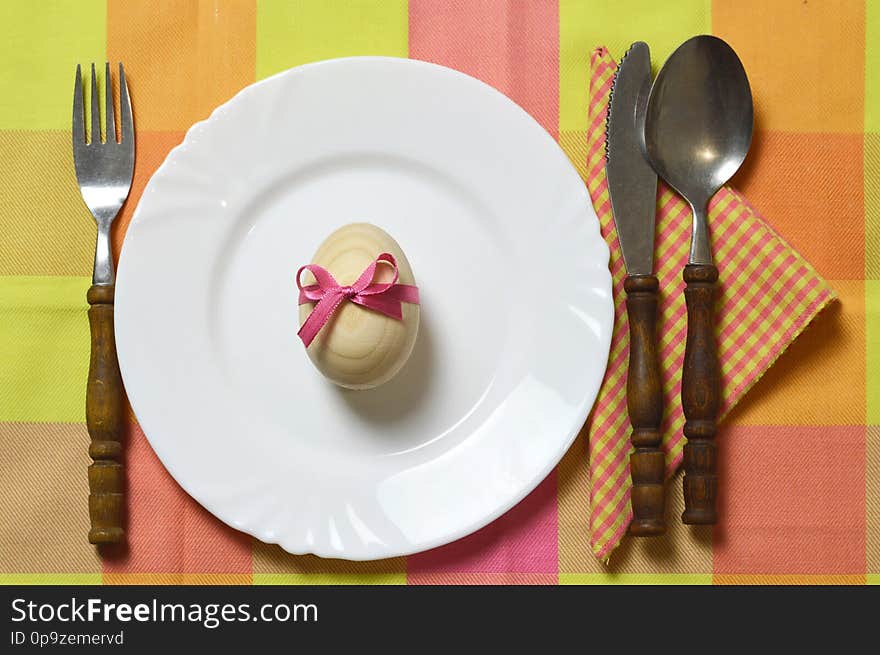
800, 455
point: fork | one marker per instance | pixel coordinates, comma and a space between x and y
104, 170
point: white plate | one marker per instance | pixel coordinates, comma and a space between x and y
516, 308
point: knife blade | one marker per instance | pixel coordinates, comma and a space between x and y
632, 185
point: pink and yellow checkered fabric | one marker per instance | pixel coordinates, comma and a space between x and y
800, 453
768, 295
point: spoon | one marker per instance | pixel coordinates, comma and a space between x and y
698, 129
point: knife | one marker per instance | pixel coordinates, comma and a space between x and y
632, 185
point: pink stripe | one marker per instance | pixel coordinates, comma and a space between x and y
608, 471
752, 351
601, 55
596, 139
611, 370
671, 399
679, 222
740, 233
598, 173
612, 452
601, 459
677, 320
734, 316
599, 96
730, 312
465, 36
745, 275
675, 238
599, 121
608, 460
790, 333
594, 150
732, 234
618, 402
610, 395
602, 186
594, 197
616, 267
674, 465
670, 228
675, 247
600, 70
615, 538
727, 229
609, 493
614, 514
674, 201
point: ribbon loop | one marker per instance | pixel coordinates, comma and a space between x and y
382, 297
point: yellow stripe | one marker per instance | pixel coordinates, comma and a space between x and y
40, 47
623, 446
585, 25
611, 502
729, 359
325, 30
44, 349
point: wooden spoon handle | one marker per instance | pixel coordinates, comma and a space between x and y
644, 401
104, 418
700, 396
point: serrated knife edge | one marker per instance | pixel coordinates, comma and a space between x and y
632, 183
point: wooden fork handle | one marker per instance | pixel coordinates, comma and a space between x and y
700, 396
644, 401
104, 418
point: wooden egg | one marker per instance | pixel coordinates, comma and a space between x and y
360, 348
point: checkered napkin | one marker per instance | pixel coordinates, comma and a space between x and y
767, 295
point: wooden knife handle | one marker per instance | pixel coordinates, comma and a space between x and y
105, 419
700, 396
644, 401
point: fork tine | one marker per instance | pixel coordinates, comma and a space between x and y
79, 124
109, 118
95, 136
126, 126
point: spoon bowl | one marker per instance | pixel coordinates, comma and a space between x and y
698, 125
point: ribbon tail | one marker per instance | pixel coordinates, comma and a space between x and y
319, 317
404, 293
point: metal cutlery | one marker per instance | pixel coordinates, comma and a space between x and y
698, 129
104, 172
632, 185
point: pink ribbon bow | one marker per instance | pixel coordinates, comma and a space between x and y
328, 294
